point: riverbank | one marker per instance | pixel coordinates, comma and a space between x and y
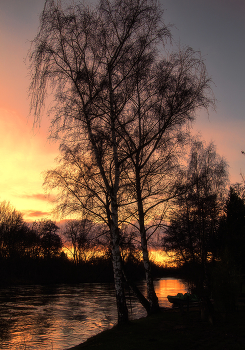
60, 270
171, 329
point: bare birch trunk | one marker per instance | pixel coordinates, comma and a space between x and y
151, 295
117, 267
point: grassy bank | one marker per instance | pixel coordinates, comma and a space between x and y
171, 329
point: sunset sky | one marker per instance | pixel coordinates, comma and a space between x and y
215, 27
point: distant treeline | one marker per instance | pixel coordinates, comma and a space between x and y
43, 253
208, 246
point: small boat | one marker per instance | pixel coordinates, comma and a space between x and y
183, 299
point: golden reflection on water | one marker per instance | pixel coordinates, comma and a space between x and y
54, 317
58, 317
169, 286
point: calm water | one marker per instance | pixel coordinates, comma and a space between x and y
61, 316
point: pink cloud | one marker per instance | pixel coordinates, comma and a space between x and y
34, 214
39, 196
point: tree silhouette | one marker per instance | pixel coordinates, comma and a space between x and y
49, 241
15, 237
193, 233
79, 234
233, 229
110, 83
230, 267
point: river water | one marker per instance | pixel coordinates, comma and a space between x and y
61, 316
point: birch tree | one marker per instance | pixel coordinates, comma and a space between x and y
165, 100
121, 101
89, 59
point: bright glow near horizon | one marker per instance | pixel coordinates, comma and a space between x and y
23, 157
157, 256
161, 258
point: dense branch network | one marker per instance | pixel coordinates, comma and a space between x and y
119, 112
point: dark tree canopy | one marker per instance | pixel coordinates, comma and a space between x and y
13, 232
193, 233
20, 240
232, 229
50, 242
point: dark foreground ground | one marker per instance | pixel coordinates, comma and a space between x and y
173, 330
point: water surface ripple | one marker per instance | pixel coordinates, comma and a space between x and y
60, 316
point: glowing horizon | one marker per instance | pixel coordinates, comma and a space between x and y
25, 152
